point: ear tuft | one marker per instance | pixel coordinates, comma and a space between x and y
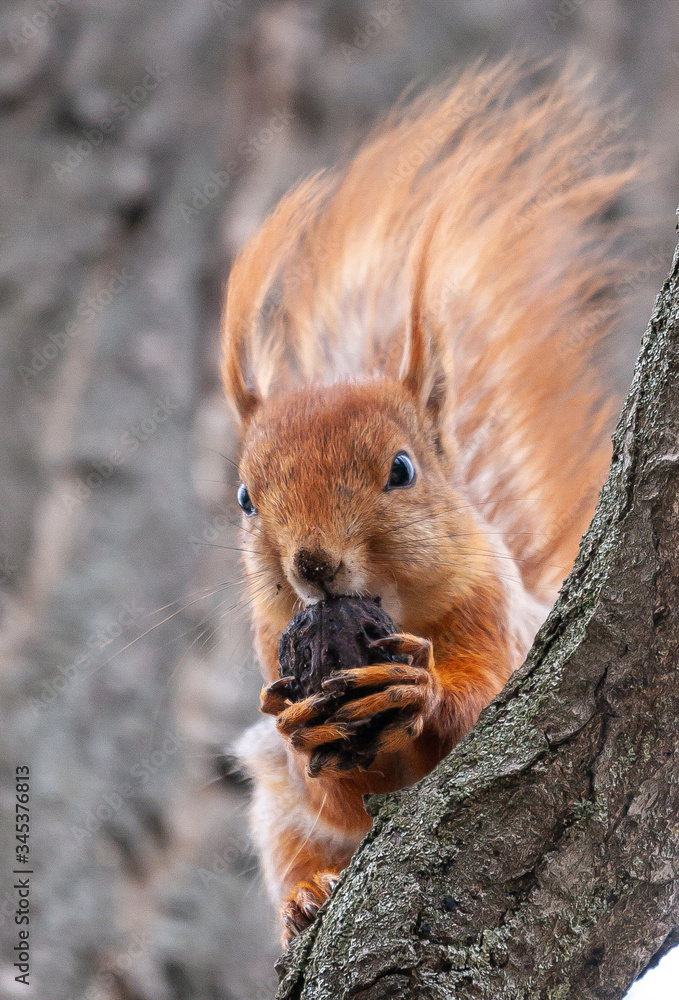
426, 368
243, 397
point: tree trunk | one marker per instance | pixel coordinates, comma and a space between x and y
114, 118
540, 860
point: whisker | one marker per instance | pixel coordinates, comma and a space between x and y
242, 605
307, 839
204, 593
148, 631
413, 553
220, 455
227, 548
449, 510
416, 549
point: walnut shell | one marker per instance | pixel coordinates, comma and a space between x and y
333, 635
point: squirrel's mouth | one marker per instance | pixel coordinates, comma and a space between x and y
359, 595
317, 574
329, 595
385, 597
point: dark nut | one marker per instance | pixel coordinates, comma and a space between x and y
333, 635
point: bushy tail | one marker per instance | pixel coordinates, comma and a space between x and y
513, 184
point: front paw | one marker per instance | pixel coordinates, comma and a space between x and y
420, 651
361, 712
300, 908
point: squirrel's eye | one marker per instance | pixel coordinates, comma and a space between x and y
402, 472
245, 501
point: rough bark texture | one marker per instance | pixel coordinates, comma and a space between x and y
540, 860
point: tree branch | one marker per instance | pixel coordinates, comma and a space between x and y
540, 859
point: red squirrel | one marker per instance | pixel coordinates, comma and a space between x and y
408, 347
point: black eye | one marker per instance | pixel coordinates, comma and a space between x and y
245, 501
402, 472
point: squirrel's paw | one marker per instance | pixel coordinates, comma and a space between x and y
419, 650
275, 698
301, 907
401, 697
365, 711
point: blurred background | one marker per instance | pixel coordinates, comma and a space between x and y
142, 140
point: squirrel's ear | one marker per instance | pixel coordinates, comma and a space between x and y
424, 372
243, 398
425, 365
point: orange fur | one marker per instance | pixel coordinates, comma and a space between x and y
433, 296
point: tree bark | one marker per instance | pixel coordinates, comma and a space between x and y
540, 859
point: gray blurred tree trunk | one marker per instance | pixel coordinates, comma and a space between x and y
541, 858
115, 118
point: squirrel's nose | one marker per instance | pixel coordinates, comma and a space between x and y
315, 567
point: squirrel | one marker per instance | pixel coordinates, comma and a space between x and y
409, 347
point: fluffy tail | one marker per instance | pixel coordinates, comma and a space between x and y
508, 187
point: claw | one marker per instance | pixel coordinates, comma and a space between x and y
315, 736
281, 683
419, 650
300, 909
275, 698
376, 675
303, 713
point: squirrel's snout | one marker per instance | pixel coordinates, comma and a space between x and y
316, 567
316, 573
